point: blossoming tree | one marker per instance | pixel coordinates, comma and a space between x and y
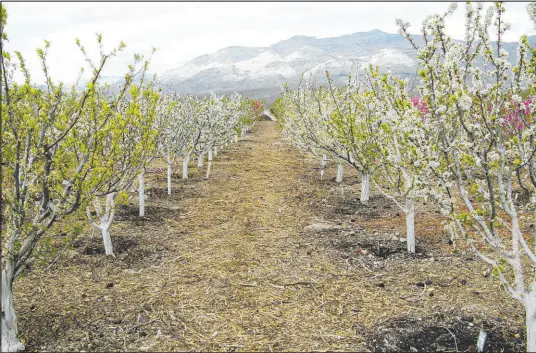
484, 112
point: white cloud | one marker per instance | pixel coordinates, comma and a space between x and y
181, 31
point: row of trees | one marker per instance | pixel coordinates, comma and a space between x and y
465, 142
65, 150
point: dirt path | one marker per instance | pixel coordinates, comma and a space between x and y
224, 264
246, 279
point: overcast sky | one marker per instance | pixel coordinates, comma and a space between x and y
181, 31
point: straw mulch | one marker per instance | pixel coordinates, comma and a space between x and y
225, 264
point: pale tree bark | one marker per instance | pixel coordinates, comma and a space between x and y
215, 151
530, 320
339, 173
141, 192
323, 166
10, 342
185, 162
169, 174
410, 225
365, 188
209, 163
200, 160
106, 218
409, 211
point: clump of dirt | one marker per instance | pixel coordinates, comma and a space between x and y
357, 242
444, 332
378, 206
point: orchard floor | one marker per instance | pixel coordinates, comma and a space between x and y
225, 264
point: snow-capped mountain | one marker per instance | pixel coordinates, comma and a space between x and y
260, 71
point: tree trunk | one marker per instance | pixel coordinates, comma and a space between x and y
410, 225
105, 221
323, 166
236, 139
365, 188
200, 160
141, 195
105, 230
185, 161
215, 151
530, 321
209, 163
169, 173
339, 173
10, 342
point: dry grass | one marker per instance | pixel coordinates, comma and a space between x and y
224, 264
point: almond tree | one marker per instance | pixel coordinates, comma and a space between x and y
172, 139
355, 125
126, 146
403, 145
484, 113
306, 123
47, 147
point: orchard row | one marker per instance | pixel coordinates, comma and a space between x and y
465, 139
66, 150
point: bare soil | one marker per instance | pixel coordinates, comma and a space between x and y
225, 264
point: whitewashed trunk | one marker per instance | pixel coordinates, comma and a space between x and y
141, 195
10, 342
215, 151
209, 164
236, 139
105, 221
105, 230
323, 165
410, 225
169, 173
324, 161
530, 321
339, 173
200, 160
365, 188
185, 162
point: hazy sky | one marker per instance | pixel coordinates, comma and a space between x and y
181, 31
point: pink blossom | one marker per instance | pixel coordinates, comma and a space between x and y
421, 106
527, 103
516, 116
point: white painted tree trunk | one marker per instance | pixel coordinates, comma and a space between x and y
530, 321
141, 192
105, 230
209, 163
236, 139
200, 160
410, 225
185, 162
323, 166
10, 342
365, 188
339, 173
169, 173
215, 151
105, 221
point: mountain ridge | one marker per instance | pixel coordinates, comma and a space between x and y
260, 71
